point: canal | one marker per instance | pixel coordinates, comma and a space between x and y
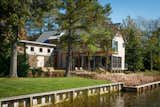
149, 98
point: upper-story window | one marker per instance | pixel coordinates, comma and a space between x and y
32, 49
40, 50
48, 50
115, 46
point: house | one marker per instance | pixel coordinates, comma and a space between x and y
97, 60
49, 55
38, 54
118, 57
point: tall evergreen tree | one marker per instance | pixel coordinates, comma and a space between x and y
13, 16
77, 16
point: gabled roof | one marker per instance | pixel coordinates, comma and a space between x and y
50, 35
36, 43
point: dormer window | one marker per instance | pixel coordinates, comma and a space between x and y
32, 49
40, 50
48, 50
115, 46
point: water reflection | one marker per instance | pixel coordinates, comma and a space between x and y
146, 99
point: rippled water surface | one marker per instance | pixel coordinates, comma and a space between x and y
145, 99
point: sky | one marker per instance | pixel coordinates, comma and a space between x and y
149, 9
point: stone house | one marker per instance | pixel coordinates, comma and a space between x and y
38, 54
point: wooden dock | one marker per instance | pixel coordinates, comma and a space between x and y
142, 88
48, 98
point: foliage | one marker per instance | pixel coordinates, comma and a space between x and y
4, 69
155, 40
4, 54
134, 56
13, 17
37, 71
23, 66
142, 43
79, 17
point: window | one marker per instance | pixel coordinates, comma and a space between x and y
115, 46
116, 62
48, 50
40, 50
32, 49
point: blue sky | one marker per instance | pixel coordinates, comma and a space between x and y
149, 9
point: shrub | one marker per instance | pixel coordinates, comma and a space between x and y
36, 71
23, 66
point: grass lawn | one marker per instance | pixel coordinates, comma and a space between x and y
21, 86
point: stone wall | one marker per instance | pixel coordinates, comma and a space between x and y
32, 60
48, 61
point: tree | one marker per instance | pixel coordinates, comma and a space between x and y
150, 42
4, 53
133, 45
104, 39
88, 45
77, 16
155, 39
103, 32
14, 15
99, 33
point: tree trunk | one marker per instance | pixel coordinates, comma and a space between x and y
71, 62
151, 62
68, 57
13, 61
107, 60
79, 60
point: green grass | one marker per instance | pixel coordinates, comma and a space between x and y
21, 86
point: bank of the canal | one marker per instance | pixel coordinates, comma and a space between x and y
65, 89
21, 86
148, 98
60, 92
129, 79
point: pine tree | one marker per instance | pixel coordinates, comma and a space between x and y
14, 15
78, 16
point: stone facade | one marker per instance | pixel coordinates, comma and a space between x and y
39, 54
32, 59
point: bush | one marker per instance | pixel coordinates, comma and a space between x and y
4, 56
5, 65
36, 71
23, 66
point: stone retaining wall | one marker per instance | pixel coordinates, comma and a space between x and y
48, 98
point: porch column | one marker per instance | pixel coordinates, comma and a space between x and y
94, 62
100, 60
82, 59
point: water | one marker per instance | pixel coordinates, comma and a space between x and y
146, 99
